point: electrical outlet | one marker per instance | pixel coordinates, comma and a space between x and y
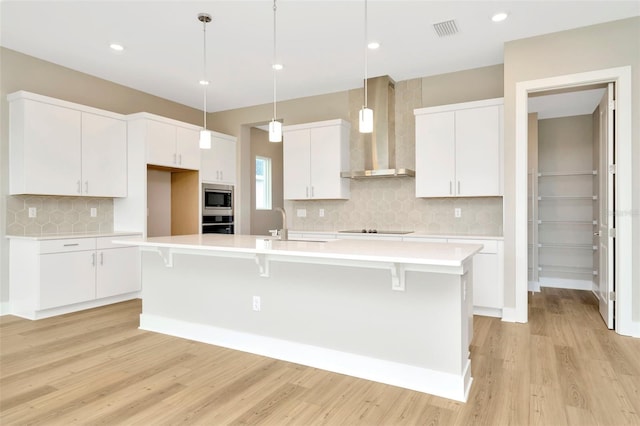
301, 212
457, 212
321, 212
32, 212
94, 212
256, 303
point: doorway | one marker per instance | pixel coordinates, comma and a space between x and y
571, 192
623, 177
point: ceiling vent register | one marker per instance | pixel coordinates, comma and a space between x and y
446, 28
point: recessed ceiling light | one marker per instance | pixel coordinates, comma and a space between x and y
373, 45
277, 67
117, 47
204, 82
499, 17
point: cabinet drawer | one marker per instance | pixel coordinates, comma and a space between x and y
490, 246
67, 244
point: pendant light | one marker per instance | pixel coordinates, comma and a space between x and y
365, 118
205, 135
275, 127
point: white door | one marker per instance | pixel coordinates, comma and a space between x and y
161, 144
606, 284
187, 148
435, 155
324, 163
104, 156
67, 278
296, 151
118, 271
477, 151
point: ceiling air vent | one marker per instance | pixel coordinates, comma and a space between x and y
446, 28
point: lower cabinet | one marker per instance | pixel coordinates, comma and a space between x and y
488, 274
54, 276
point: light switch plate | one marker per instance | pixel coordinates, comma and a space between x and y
94, 212
301, 212
321, 212
457, 212
32, 212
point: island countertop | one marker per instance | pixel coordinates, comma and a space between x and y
402, 252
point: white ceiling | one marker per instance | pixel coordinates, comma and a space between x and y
320, 43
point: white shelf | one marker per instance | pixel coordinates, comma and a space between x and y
568, 173
567, 269
568, 222
566, 197
568, 246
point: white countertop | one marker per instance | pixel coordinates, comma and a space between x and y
72, 235
402, 252
335, 234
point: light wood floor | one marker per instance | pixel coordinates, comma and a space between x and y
96, 367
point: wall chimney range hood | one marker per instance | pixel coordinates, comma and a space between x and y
380, 146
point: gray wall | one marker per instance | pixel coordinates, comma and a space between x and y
608, 45
263, 220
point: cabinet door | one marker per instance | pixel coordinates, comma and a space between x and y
104, 156
478, 151
296, 152
487, 290
161, 144
187, 148
226, 153
118, 271
218, 164
67, 278
325, 143
435, 155
51, 150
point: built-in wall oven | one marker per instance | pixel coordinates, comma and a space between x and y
217, 209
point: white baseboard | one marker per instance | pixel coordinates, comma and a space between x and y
487, 312
566, 283
534, 286
509, 315
420, 379
52, 312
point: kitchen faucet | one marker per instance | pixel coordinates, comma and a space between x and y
284, 232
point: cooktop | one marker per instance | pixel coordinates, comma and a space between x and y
373, 231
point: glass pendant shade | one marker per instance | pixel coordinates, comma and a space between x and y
366, 120
275, 131
205, 139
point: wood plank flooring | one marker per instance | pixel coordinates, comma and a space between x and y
95, 367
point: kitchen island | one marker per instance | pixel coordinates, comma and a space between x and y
393, 312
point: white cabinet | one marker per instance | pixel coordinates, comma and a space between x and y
117, 268
218, 164
314, 154
459, 150
61, 148
170, 143
488, 273
54, 276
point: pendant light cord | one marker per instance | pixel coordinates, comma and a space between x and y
274, 61
366, 36
204, 70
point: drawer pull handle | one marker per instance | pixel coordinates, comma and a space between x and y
72, 245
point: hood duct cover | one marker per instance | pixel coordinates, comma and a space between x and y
380, 146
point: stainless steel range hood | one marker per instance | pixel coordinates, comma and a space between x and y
380, 146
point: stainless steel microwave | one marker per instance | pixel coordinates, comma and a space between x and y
217, 200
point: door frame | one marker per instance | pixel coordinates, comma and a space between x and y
621, 76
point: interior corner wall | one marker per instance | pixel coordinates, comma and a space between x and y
596, 47
22, 72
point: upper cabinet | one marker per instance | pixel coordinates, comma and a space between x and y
218, 164
314, 154
171, 143
61, 148
459, 149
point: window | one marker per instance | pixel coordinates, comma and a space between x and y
263, 183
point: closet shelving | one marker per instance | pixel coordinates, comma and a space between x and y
561, 227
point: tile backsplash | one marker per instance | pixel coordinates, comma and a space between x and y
391, 204
58, 215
